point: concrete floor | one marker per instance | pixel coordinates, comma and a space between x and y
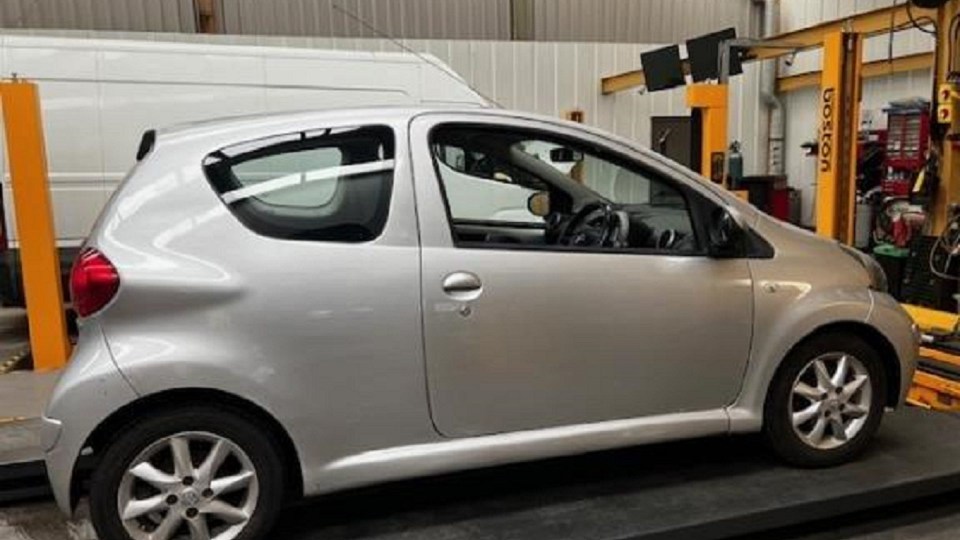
23, 394
42, 521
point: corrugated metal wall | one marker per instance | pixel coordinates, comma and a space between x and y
132, 15
437, 19
630, 21
801, 106
645, 21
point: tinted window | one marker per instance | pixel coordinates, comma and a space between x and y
330, 185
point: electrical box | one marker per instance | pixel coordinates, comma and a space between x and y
945, 105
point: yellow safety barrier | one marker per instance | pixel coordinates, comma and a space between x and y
27, 163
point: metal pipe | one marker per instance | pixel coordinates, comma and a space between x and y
776, 120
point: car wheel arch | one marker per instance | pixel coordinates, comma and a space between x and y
174, 398
883, 346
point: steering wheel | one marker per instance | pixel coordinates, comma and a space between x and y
668, 239
596, 224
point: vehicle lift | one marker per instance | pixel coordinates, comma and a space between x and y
937, 381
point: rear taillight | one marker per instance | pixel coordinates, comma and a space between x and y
94, 281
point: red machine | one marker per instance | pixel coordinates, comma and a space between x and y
908, 136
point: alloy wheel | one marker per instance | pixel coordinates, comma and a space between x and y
831, 400
194, 485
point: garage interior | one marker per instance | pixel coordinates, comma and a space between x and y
836, 116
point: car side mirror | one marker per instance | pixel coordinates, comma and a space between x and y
726, 234
538, 204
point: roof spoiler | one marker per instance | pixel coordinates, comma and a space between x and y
146, 143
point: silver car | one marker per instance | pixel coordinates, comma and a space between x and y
296, 304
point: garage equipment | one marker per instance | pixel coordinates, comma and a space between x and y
916, 144
908, 141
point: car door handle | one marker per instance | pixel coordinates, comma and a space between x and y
462, 285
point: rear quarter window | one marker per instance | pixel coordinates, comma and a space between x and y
324, 185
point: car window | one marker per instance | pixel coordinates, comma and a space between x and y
490, 174
482, 187
332, 185
295, 165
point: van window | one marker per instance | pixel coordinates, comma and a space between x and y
331, 185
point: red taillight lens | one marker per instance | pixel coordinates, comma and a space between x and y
93, 282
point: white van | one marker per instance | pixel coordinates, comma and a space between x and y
100, 96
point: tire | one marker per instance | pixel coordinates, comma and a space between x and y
250, 477
845, 411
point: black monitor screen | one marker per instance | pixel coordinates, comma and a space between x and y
662, 68
704, 54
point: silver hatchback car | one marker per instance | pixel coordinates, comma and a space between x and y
295, 304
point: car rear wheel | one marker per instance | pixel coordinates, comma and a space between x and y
194, 473
826, 401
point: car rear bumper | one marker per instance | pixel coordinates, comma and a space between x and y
91, 389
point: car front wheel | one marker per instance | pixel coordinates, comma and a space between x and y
826, 401
194, 473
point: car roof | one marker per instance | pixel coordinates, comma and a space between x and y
382, 113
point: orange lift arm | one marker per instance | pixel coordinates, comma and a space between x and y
27, 160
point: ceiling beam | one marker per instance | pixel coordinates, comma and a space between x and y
869, 23
877, 68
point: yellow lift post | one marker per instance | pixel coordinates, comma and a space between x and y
838, 124
711, 100
935, 384
27, 160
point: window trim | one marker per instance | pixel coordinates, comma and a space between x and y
693, 200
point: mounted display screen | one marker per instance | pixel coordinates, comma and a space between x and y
662, 68
704, 55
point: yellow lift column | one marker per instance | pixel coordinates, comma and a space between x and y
838, 124
948, 191
711, 101
27, 161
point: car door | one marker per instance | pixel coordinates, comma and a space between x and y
519, 336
